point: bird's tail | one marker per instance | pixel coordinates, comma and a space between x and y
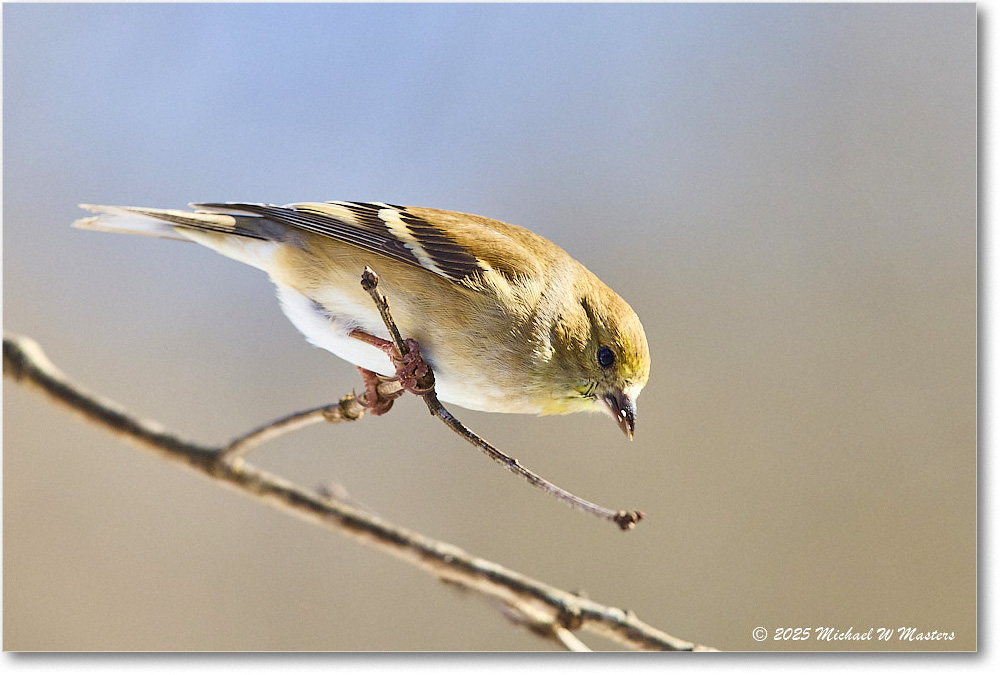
167, 223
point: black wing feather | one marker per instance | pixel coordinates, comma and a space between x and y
371, 232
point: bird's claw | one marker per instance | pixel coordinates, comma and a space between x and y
411, 370
376, 402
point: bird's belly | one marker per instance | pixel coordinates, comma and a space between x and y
330, 329
483, 396
332, 332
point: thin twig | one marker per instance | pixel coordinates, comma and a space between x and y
239, 447
24, 362
350, 408
570, 642
626, 520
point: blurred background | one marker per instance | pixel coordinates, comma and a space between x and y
785, 194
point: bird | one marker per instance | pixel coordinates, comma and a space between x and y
507, 321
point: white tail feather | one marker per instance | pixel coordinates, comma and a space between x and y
124, 221
217, 231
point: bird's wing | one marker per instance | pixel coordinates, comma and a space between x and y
458, 247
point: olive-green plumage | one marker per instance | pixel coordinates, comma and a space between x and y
508, 320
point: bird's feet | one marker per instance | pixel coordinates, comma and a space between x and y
376, 402
411, 369
412, 372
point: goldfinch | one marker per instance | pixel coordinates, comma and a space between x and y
507, 320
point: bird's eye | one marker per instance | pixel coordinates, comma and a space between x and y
605, 357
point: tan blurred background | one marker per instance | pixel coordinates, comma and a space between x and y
785, 194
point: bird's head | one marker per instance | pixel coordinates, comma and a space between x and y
601, 353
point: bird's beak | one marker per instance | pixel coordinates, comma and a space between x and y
622, 408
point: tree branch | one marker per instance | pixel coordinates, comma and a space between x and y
546, 610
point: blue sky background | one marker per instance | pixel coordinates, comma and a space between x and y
786, 194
